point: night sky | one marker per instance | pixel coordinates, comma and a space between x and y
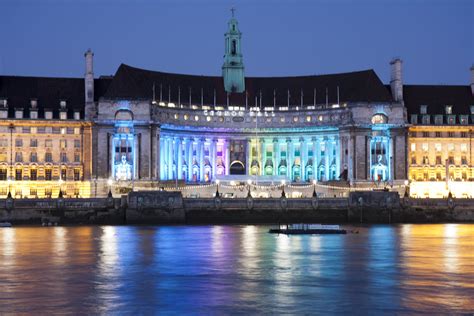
49, 37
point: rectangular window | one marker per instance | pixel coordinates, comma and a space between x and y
423, 109
438, 134
463, 147
19, 114
33, 142
77, 115
424, 146
26, 130
70, 130
77, 157
48, 115
438, 147
18, 157
34, 130
450, 147
33, 114
77, 174
451, 119
56, 130
63, 115
426, 119
41, 130
34, 157
77, 130
451, 160
33, 174
438, 160
48, 192
425, 160
63, 143
48, 143
18, 143
438, 119
463, 119
413, 160
414, 119
47, 174
63, 130
63, 157
48, 157
3, 174
18, 174
63, 173
464, 134
463, 160
449, 109
426, 134
450, 134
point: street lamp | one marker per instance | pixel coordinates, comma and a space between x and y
9, 181
217, 188
283, 194
60, 183
314, 188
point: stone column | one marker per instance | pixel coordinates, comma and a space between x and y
350, 158
201, 159
248, 155
315, 158
391, 159
161, 148
337, 156
327, 161
262, 156
303, 158
276, 154
170, 158
227, 156
289, 169
212, 158
180, 157
368, 159
190, 158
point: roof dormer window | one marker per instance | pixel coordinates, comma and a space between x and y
62, 103
472, 109
423, 109
33, 103
3, 103
449, 109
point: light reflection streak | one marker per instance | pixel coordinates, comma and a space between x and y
216, 236
450, 253
8, 246
59, 245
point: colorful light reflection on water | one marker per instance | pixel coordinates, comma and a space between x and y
236, 269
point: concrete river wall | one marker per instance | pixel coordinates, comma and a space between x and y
159, 207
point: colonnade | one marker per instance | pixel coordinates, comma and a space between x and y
202, 159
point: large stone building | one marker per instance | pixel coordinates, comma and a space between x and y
142, 129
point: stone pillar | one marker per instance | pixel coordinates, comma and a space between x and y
276, 154
190, 158
303, 158
170, 158
212, 159
350, 158
327, 156
180, 157
368, 157
391, 159
262, 156
315, 158
289, 169
248, 156
201, 159
227, 157
337, 156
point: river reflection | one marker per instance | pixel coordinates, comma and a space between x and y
236, 269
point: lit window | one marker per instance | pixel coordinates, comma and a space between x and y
63, 116
208, 118
450, 147
424, 146
63, 143
438, 147
423, 109
463, 147
449, 109
295, 118
77, 115
379, 119
308, 118
282, 119
320, 118
63, 130
414, 119
186, 117
34, 130
48, 115
413, 147
176, 116
77, 130
19, 114
196, 118
34, 114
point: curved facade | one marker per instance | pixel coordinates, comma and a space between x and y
143, 129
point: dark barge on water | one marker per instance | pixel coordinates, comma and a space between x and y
307, 229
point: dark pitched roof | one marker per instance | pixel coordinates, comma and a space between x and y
48, 91
134, 83
437, 97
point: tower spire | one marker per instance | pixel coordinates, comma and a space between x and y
233, 67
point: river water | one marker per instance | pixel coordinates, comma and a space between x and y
236, 270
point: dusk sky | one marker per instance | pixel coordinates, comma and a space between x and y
49, 37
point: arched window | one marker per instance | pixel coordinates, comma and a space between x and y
234, 47
379, 119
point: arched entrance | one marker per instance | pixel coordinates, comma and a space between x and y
237, 167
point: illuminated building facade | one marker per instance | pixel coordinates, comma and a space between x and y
441, 140
142, 129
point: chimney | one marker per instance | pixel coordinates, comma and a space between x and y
89, 84
396, 82
472, 79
